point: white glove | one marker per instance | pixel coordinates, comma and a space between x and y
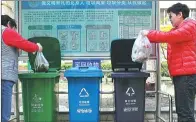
40, 47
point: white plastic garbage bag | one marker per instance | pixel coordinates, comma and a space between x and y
41, 64
142, 49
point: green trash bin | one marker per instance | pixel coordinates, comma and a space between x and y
38, 88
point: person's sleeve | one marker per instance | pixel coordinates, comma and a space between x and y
12, 38
182, 34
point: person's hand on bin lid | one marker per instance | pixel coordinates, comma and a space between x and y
40, 47
144, 32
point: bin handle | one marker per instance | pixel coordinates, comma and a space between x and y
83, 69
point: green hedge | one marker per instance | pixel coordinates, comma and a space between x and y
164, 69
66, 66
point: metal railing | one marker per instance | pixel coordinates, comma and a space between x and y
170, 105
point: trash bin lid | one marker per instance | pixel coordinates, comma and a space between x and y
83, 72
37, 75
51, 51
121, 50
129, 74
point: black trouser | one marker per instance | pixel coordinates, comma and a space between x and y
185, 89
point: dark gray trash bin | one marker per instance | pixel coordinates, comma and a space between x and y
129, 82
129, 96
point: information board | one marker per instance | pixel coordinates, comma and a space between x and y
86, 28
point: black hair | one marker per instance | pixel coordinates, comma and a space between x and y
5, 20
179, 7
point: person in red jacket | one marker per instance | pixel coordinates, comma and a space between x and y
181, 58
10, 43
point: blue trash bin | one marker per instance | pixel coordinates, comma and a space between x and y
83, 93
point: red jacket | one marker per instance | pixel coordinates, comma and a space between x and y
12, 38
181, 50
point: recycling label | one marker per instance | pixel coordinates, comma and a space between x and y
130, 91
37, 104
83, 93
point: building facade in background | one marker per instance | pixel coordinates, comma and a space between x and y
8, 8
166, 4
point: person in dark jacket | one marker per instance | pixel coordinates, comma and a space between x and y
10, 43
181, 58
